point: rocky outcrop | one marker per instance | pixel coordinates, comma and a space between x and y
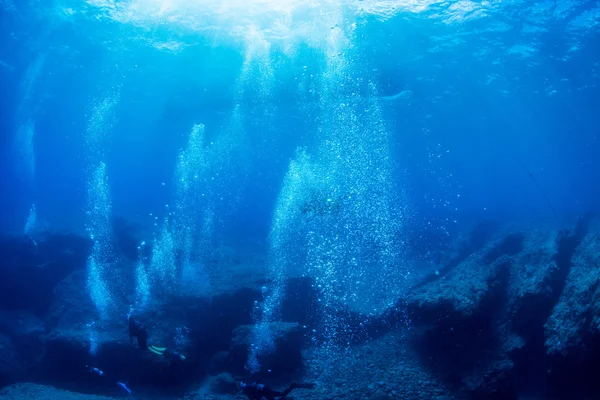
478, 237
576, 315
572, 332
10, 364
78, 337
470, 289
36, 265
483, 320
459, 312
532, 291
22, 344
27, 391
224, 383
201, 326
477, 324
289, 339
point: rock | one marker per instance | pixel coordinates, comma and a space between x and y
539, 278
483, 322
469, 287
36, 266
23, 343
20, 323
224, 384
26, 391
575, 316
461, 313
532, 292
220, 361
572, 331
495, 383
457, 313
288, 339
74, 325
379, 395
11, 366
479, 236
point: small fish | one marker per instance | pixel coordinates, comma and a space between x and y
124, 386
403, 95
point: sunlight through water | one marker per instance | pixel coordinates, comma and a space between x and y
286, 21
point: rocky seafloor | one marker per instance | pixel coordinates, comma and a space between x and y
506, 315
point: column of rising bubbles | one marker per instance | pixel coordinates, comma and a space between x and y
345, 205
23, 146
101, 259
180, 232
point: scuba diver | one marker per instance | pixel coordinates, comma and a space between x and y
258, 391
138, 331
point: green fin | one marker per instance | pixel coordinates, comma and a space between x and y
157, 350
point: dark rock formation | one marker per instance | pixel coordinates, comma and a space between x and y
224, 383
572, 332
74, 328
128, 237
73, 335
10, 364
22, 344
478, 237
532, 280
460, 313
483, 320
26, 391
37, 265
498, 319
289, 339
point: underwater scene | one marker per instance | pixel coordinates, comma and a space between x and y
300, 199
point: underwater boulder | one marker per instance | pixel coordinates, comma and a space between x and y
467, 289
480, 235
224, 383
24, 335
458, 316
483, 321
73, 315
572, 331
492, 383
32, 267
288, 337
577, 310
532, 289
78, 337
11, 366
128, 236
22, 391
76, 334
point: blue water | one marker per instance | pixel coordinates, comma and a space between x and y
486, 88
336, 139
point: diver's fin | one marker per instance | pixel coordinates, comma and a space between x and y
157, 350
